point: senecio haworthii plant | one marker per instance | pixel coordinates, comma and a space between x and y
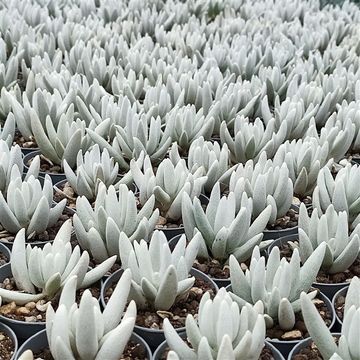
342, 249
221, 331
29, 205
98, 228
160, 277
266, 184
92, 168
277, 284
224, 231
342, 192
347, 347
47, 269
83, 331
168, 184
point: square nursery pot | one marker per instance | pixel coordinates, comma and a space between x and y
153, 337
39, 341
22, 329
158, 354
54, 177
276, 234
10, 333
327, 289
303, 344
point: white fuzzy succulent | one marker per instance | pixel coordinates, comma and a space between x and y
167, 185
47, 269
209, 155
92, 168
304, 159
160, 277
12, 166
7, 132
342, 192
266, 184
221, 331
29, 205
224, 230
62, 142
278, 283
347, 347
250, 139
98, 229
332, 228
9, 66
84, 331
185, 125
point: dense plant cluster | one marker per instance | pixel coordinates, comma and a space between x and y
220, 125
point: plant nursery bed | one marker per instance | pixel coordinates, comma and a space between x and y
177, 313
322, 277
6, 346
47, 235
299, 331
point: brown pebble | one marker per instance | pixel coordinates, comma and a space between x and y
8, 308
31, 305
22, 311
30, 318
292, 335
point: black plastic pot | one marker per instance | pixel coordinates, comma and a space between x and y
303, 344
285, 347
341, 292
276, 234
39, 341
327, 289
54, 177
162, 347
9, 332
6, 251
219, 282
355, 160
153, 337
22, 329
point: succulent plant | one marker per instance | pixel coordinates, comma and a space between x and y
98, 229
250, 139
9, 66
29, 205
168, 184
92, 168
277, 284
342, 249
62, 142
48, 269
12, 166
342, 192
304, 159
352, 295
223, 230
84, 331
185, 125
227, 334
266, 184
347, 347
7, 132
159, 277
138, 135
